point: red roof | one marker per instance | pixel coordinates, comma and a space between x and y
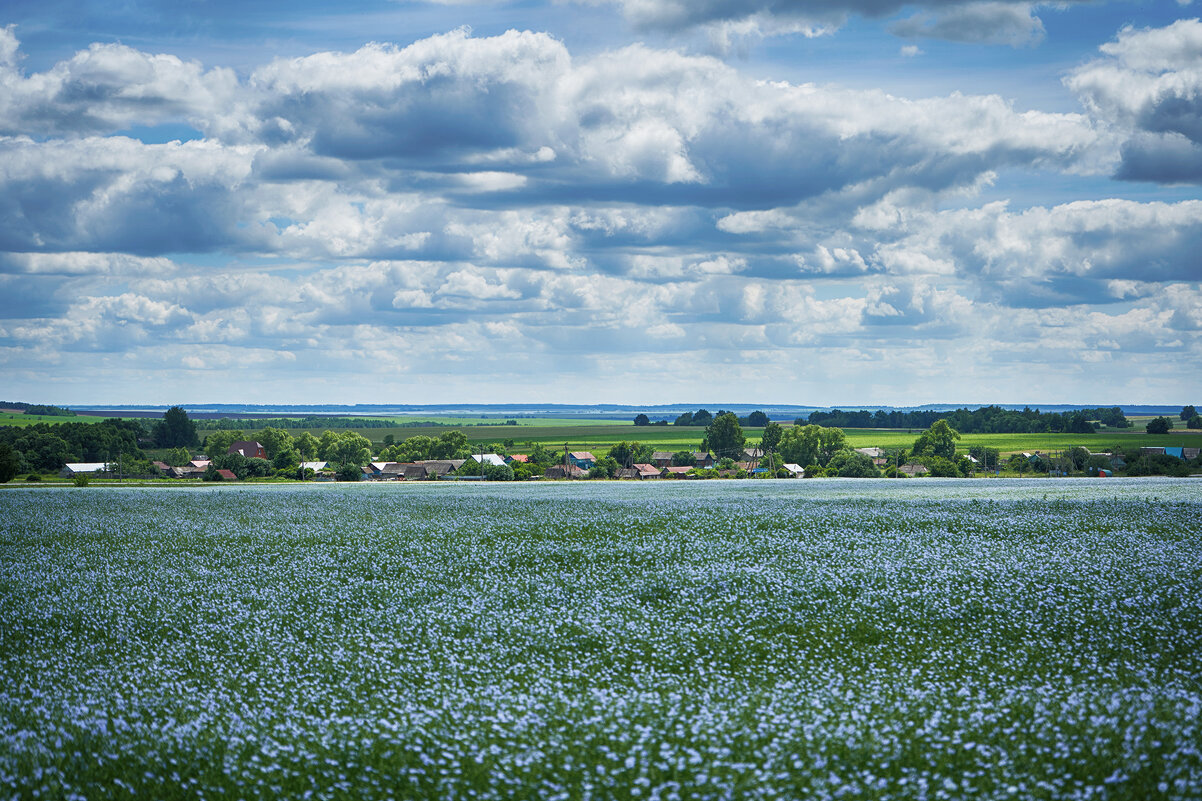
227, 475
518, 457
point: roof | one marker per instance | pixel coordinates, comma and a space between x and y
488, 458
659, 455
647, 470
677, 471
582, 455
914, 469
200, 462
314, 466
246, 447
793, 468
875, 453
518, 457
227, 475
85, 467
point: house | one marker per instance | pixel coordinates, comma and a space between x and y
76, 468
251, 450
162, 467
794, 470
1190, 453
437, 468
647, 470
627, 472
391, 471
662, 459
703, 459
489, 458
872, 453
415, 472
913, 469
582, 459
1151, 451
227, 475
316, 467
675, 472
520, 458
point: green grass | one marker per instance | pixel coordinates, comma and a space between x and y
751, 640
19, 419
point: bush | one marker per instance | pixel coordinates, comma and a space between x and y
501, 472
33, 477
348, 472
941, 468
79, 480
1194, 422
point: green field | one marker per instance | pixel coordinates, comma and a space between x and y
748, 640
19, 419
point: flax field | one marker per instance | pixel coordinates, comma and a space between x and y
818, 639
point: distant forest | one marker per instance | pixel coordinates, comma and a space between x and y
36, 408
985, 420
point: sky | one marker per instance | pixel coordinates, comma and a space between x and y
587, 201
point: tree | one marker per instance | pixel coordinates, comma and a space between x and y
178, 457
757, 419
724, 436
543, 456
350, 448
274, 440
1194, 422
772, 435
801, 445
702, 417
1188, 411
685, 419
325, 444
349, 472
642, 420
470, 468
683, 459
9, 463
854, 465
938, 440
1160, 425
219, 442
288, 459
306, 445
450, 445
175, 430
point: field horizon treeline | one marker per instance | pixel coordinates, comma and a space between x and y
995, 437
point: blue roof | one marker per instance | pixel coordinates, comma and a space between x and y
1177, 451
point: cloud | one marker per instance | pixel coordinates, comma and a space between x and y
1149, 84
1009, 22
1012, 24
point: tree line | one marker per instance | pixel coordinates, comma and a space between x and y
984, 420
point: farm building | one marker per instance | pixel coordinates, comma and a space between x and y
560, 471
662, 458
582, 459
77, 468
913, 469
227, 475
795, 470
647, 471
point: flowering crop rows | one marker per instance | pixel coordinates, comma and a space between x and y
816, 639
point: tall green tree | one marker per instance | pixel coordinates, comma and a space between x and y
724, 436
274, 440
9, 463
811, 444
450, 445
175, 430
306, 445
350, 448
772, 434
1188, 411
938, 440
1160, 425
